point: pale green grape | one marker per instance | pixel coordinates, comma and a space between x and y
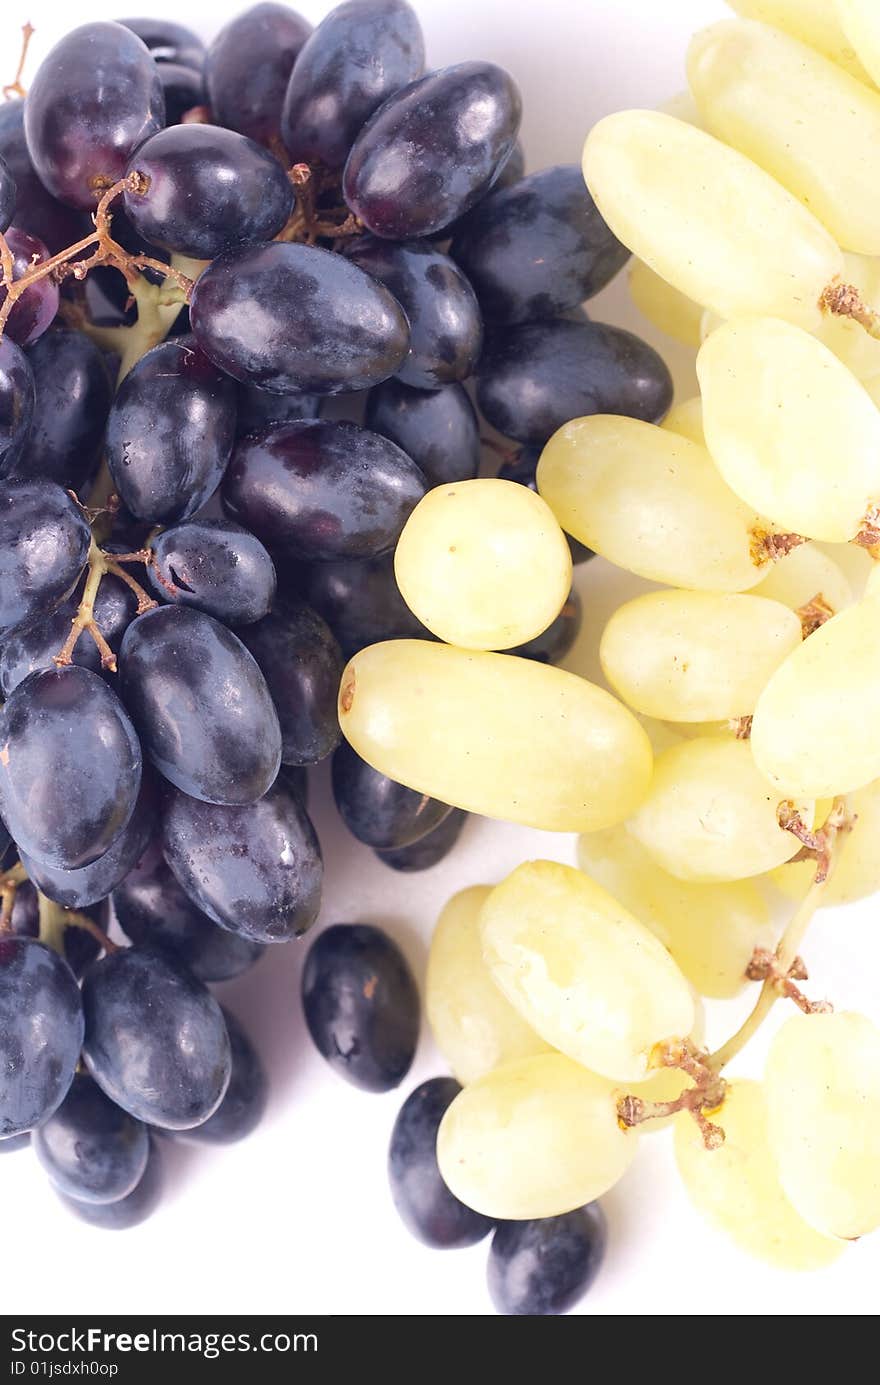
737, 1187
802, 575
473, 1025
707, 219
677, 316
711, 815
822, 1083
857, 871
854, 562
534, 1138
872, 587
799, 116
791, 430
711, 930
683, 106
816, 732
498, 735
812, 21
587, 976
652, 502
695, 656
483, 564
860, 21
686, 418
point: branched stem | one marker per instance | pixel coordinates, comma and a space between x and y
15, 88
100, 563
54, 919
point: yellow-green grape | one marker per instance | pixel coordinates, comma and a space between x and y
791, 430
800, 117
860, 21
804, 574
483, 564
812, 21
652, 502
737, 1187
534, 1138
823, 1113
815, 731
677, 316
496, 734
856, 873
711, 930
872, 587
683, 106
587, 976
695, 656
686, 419
707, 219
854, 562
473, 1025
711, 815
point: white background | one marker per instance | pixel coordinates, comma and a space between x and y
299, 1218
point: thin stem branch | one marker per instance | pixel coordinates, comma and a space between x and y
15, 88
72, 919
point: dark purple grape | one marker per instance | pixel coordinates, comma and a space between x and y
521, 467
259, 409
302, 664
533, 378
255, 870
7, 194
128, 1211
151, 908
201, 705
377, 810
44, 543
542, 1268
298, 318
322, 489
295, 779
36, 308
184, 89
155, 1040
80, 948
242, 1108
512, 169
92, 1150
358, 56
41, 1033
73, 397
432, 150
170, 433
207, 190
437, 428
168, 42
361, 1005
552, 645
537, 248
429, 850
93, 100
248, 66
36, 210
17, 398
70, 770
361, 602
426, 1206
35, 647
446, 329
217, 567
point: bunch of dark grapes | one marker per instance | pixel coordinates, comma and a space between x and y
201, 247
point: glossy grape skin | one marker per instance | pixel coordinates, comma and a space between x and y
535, 377
14, 1142
537, 248
36, 308
428, 850
552, 645
201, 705
302, 665
378, 811
73, 397
543, 1268
7, 194
361, 1005
92, 1150
184, 89
168, 42
93, 100
426, 1206
155, 1041
247, 68
259, 409
35, 646
128, 1211
359, 55
41, 1033
446, 328
360, 601
432, 150
242, 1108
17, 398
210, 189
512, 169
215, 566
295, 317
152, 908
255, 870
36, 210
167, 472
322, 489
438, 429
71, 768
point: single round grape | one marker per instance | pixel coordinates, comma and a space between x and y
483, 564
361, 1005
41, 1033
666, 307
35, 309
36, 210
44, 543
438, 429
35, 646
17, 399
543, 1268
215, 566
244, 1103
378, 811
430, 849
90, 1148
129, 1211
73, 397
248, 66
168, 42
360, 601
